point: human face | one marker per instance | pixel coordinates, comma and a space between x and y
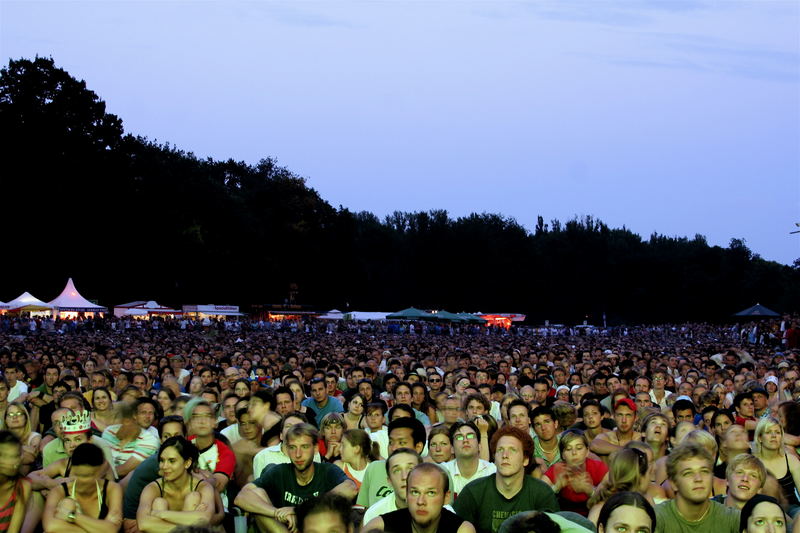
284, 404
10, 461
509, 456
401, 438
333, 432
50, 376
426, 496
301, 452
624, 418
3, 392
772, 438
684, 415
140, 383
171, 429
163, 400
746, 408
641, 385
721, 424
435, 381
693, 480
15, 417
356, 406
402, 394
657, 430
591, 416
287, 425
518, 416
101, 401
248, 428
325, 522
527, 394
440, 449
545, 427
229, 408
744, 483
171, 465
475, 408
375, 419
465, 442
659, 382
575, 452
738, 382
318, 392
759, 401
145, 414
241, 390
98, 381
202, 421
418, 396
399, 467
766, 518
452, 410
73, 440
86, 475
627, 519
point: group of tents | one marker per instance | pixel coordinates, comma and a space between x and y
69, 301
412, 313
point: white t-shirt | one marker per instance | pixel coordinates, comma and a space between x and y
17, 390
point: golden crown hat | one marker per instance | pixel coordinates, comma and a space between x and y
76, 422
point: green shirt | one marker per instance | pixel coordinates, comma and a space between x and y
375, 484
482, 504
718, 519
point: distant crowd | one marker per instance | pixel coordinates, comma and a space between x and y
314, 426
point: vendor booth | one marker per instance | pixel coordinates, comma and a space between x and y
211, 311
70, 304
144, 309
27, 303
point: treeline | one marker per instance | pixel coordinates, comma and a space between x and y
131, 219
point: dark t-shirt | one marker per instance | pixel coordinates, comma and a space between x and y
283, 490
144, 474
400, 522
482, 504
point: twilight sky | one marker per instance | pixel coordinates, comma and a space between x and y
678, 117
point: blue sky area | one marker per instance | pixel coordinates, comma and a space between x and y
667, 116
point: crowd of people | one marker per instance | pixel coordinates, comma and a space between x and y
308, 428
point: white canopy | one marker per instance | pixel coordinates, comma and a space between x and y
333, 314
27, 302
366, 315
142, 308
71, 300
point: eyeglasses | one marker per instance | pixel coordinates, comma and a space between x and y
434, 380
468, 436
15, 415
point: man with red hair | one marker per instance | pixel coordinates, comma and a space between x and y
488, 501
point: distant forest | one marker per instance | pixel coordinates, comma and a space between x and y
132, 219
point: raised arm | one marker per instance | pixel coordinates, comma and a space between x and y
602, 446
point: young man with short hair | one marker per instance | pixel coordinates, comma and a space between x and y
321, 402
611, 441
488, 501
273, 496
746, 476
427, 491
467, 465
690, 472
398, 466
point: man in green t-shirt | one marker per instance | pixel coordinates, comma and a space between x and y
690, 469
273, 496
487, 502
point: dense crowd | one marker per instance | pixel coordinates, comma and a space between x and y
184, 425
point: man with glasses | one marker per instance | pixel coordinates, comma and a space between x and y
467, 465
658, 394
435, 382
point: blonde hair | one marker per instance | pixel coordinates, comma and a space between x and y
27, 429
764, 424
625, 473
704, 439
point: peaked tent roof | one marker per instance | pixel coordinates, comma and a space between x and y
71, 300
412, 313
27, 302
757, 310
447, 316
144, 308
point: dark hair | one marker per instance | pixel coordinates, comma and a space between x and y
682, 405
295, 414
398, 451
186, 449
416, 427
542, 410
458, 425
6, 437
266, 396
401, 407
619, 499
737, 400
748, 508
329, 502
531, 522
170, 419
87, 454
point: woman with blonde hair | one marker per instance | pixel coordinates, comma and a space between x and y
629, 471
18, 422
357, 452
769, 447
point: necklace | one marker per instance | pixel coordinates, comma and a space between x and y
708, 508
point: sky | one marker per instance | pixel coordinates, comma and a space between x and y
676, 117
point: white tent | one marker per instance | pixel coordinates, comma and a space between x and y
71, 300
333, 314
144, 308
366, 315
27, 302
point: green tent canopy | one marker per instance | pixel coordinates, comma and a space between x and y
412, 313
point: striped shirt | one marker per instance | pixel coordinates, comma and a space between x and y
140, 448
